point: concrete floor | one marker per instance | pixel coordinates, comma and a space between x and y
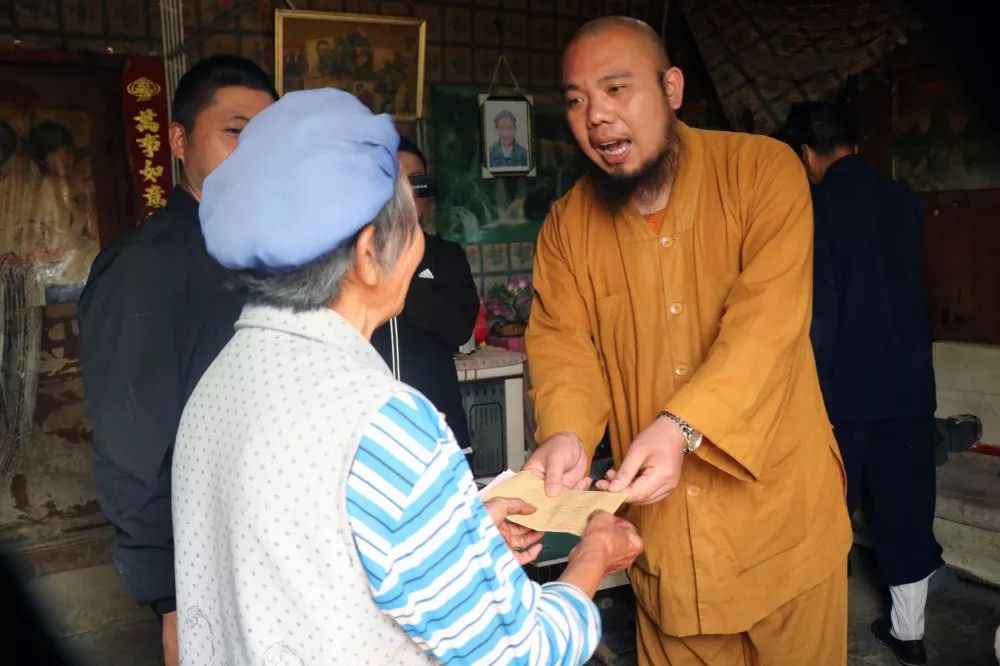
961, 620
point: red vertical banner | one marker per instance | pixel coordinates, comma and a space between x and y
144, 107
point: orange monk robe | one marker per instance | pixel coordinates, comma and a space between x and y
709, 319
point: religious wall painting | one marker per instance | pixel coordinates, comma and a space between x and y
48, 213
942, 138
83, 158
379, 59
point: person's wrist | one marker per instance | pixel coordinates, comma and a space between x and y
595, 547
163, 606
685, 436
570, 435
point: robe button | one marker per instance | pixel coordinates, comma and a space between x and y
666, 241
682, 370
676, 308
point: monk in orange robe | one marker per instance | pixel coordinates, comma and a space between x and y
673, 297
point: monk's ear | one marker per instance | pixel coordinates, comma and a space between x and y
673, 87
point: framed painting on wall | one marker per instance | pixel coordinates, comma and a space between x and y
67, 178
379, 59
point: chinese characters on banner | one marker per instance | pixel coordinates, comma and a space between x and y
144, 105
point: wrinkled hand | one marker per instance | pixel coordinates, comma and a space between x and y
169, 638
651, 469
523, 541
561, 462
613, 538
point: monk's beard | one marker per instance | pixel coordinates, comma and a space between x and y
616, 191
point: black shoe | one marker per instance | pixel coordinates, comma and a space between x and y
908, 653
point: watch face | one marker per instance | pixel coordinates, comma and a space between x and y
694, 441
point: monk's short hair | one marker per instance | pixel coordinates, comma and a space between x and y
598, 25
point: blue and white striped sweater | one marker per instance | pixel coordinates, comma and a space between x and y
436, 563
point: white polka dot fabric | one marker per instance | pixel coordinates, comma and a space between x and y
266, 567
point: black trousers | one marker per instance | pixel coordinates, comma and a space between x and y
891, 471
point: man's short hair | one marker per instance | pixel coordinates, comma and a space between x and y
504, 114
198, 86
409, 146
823, 126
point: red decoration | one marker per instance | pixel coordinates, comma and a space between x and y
144, 107
482, 329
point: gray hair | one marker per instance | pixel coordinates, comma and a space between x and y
319, 284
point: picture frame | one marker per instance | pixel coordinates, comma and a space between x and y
379, 59
507, 139
480, 212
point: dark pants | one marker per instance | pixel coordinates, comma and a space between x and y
890, 469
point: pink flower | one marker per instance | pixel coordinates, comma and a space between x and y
501, 310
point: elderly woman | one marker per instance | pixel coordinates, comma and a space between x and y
323, 512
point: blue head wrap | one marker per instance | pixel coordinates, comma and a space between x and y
309, 172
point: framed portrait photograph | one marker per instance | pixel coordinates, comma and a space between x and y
379, 59
507, 140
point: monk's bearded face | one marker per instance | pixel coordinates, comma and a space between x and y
616, 190
621, 95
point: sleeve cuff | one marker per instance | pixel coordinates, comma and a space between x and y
732, 445
163, 606
590, 614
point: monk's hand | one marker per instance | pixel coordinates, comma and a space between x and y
523, 541
561, 462
651, 469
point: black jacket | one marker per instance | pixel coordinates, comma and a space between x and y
155, 313
871, 325
438, 317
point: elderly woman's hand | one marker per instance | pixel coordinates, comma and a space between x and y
522, 541
610, 539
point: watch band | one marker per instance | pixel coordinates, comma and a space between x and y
692, 438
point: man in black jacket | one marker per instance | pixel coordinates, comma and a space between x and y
872, 339
439, 313
156, 311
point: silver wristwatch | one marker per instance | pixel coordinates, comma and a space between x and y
692, 438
